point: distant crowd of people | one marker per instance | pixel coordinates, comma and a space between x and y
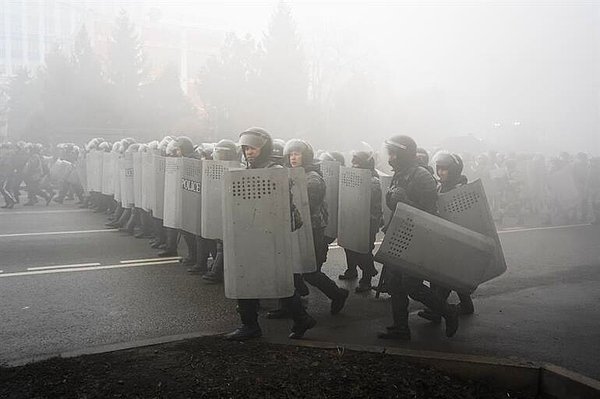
522, 189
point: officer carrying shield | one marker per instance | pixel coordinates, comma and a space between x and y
364, 159
257, 147
449, 169
413, 185
298, 153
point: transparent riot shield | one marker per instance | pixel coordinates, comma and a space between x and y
257, 234
172, 215
434, 249
331, 175
159, 163
191, 183
304, 259
468, 207
385, 181
354, 211
108, 186
213, 173
147, 182
137, 179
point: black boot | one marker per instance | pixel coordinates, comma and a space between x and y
400, 333
171, 244
301, 326
451, 317
339, 301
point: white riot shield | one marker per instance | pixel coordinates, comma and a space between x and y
116, 164
95, 171
331, 175
213, 173
257, 238
191, 186
354, 209
172, 214
148, 196
159, 163
304, 259
137, 179
127, 192
434, 249
108, 185
468, 207
385, 181
89, 164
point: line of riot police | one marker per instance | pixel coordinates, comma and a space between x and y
260, 214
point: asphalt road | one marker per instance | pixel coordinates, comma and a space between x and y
67, 283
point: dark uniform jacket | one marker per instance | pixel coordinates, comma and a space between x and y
414, 186
452, 184
319, 216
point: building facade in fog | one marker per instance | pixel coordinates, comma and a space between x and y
29, 29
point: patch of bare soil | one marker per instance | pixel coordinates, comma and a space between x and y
211, 367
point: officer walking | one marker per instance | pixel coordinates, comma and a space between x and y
257, 147
413, 185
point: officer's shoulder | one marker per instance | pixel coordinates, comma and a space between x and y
421, 174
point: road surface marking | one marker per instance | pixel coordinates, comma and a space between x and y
1, 271
519, 229
84, 269
53, 233
62, 266
150, 260
5, 213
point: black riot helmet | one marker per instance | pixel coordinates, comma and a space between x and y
226, 150
422, 156
278, 146
402, 151
258, 137
301, 146
364, 158
450, 162
185, 146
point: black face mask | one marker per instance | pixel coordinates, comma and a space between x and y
400, 161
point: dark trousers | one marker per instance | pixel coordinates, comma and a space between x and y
5, 191
190, 242
363, 261
34, 190
248, 310
172, 235
319, 279
401, 287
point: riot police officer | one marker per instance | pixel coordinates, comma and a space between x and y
257, 147
449, 169
413, 185
225, 150
298, 153
364, 159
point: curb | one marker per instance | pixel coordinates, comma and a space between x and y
541, 379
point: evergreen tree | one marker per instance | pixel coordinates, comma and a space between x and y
165, 103
284, 78
57, 94
229, 86
126, 71
23, 106
93, 106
